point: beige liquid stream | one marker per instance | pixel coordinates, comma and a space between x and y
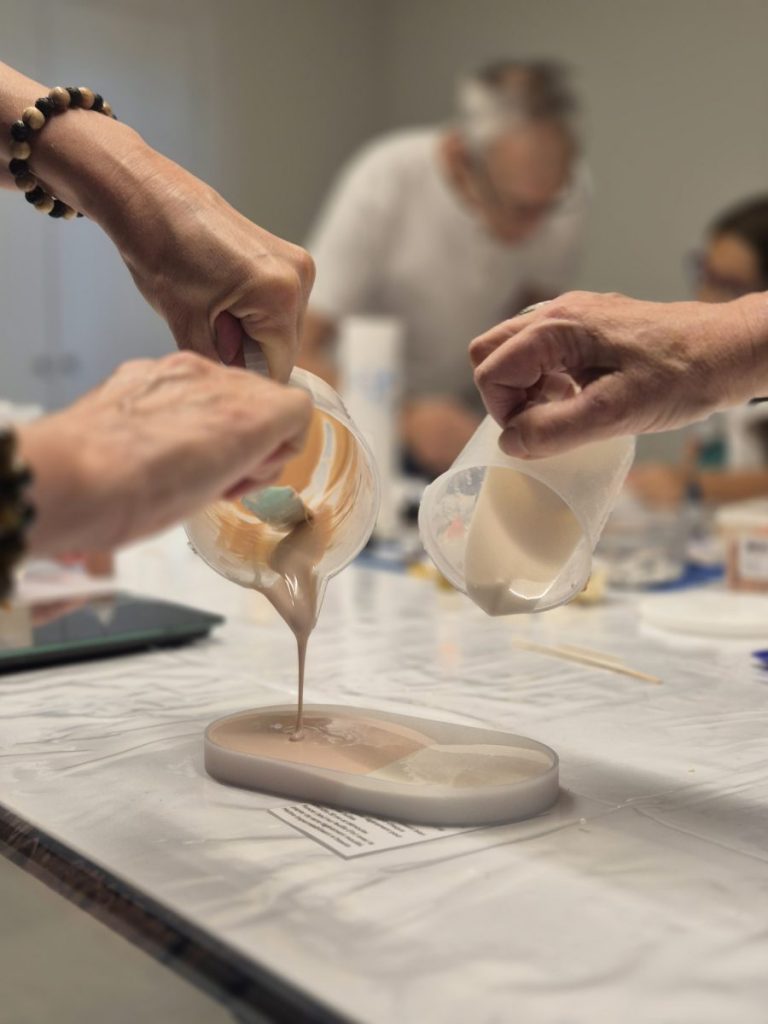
292, 557
520, 538
294, 585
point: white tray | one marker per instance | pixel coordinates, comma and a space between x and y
465, 776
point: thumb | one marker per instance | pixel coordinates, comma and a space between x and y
278, 346
232, 335
597, 412
229, 339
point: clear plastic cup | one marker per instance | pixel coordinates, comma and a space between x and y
537, 525
336, 472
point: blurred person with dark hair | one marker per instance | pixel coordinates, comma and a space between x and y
449, 229
726, 458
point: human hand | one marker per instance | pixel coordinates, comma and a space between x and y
213, 275
217, 278
641, 366
156, 442
435, 429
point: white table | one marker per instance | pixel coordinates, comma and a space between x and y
641, 898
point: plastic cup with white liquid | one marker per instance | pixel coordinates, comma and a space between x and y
518, 535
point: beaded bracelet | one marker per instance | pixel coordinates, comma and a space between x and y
16, 513
33, 119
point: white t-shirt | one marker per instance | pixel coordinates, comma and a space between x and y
395, 239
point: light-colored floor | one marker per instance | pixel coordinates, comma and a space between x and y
58, 963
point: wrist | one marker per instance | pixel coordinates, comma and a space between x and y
61, 490
104, 169
748, 323
16, 512
89, 161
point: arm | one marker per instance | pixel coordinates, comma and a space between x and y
16, 92
434, 429
642, 367
732, 484
155, 443
665, 486
212, 274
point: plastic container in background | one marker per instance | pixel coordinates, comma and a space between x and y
743, 526
517, 535
641, 547
336, 471
369, 356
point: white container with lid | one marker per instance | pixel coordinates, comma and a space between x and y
743, 526
518, 535
369, 357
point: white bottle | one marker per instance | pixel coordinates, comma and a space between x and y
369, 360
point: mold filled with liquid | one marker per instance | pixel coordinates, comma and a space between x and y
344, 742
381, 763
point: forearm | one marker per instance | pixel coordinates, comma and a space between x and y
16, 92
76, 153
67, 518
97, 165
192, 256
742, 372
434, 429
732, 485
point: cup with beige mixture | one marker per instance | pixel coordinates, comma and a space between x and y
518, 535
335, 483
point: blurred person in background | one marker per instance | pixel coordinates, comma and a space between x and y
448, 230
726, 458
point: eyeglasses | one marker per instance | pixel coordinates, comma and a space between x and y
512, 209
703, 276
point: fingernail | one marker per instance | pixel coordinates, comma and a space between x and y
511, 443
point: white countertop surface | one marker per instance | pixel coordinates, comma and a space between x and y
641, 898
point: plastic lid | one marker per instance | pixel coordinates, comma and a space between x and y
744, 513
713, 613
